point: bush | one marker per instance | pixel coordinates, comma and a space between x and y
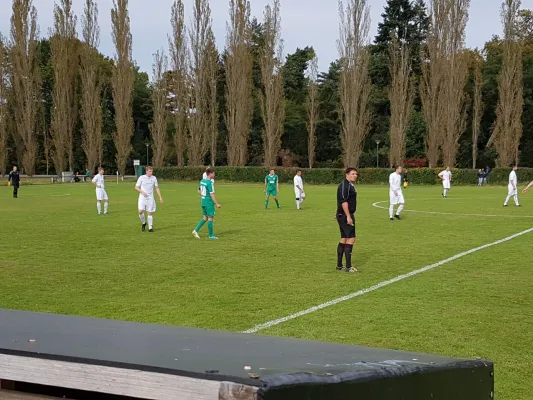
325, 176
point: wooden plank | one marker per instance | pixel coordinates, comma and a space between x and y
237, 391
8, 395
109, 380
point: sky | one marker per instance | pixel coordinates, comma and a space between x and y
304, 23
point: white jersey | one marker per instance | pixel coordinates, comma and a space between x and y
147, 184
298, 182
395, 182
99, 180
204, 176
446, 178
395, 192
513, 179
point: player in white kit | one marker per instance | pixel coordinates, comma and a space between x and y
204, 176
512, 188
299, 189
101, 194
395, 193
146, 185
446, 178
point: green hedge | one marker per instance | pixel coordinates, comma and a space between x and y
417, 176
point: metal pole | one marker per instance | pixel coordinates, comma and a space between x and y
377, 155
147, 154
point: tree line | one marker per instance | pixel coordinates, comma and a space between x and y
413, 95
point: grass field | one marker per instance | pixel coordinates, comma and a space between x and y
58, 255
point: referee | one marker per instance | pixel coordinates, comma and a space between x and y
14, 178
346, 205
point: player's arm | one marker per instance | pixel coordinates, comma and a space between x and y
393, 185
159, 194
265, 189
94, 182
277, 185
138, 187
213, 197
528, 187
345, 195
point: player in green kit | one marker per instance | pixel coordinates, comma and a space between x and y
209, 202
271, 187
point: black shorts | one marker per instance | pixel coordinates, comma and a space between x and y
347, 231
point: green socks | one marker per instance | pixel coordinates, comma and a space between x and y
200, 224
266, 204
277, 202
210, 227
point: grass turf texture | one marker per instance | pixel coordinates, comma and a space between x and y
59, 256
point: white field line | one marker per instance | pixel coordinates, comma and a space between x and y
376, 204
398, 278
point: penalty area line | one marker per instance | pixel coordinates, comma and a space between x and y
380, 285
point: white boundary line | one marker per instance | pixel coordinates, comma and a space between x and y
398, 278
376, 204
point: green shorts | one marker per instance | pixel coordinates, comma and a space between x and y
272, 192
208, 211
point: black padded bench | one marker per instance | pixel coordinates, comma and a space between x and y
148, 361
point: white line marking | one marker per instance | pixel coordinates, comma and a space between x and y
449, 213
60, 195
398, 278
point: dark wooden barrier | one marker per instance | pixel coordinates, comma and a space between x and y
147, 361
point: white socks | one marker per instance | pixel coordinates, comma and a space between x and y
391, 211
445, 192
150, 221
141, 216
99, 207
399, 209
106, 206
297, 204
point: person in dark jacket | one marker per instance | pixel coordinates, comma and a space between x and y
14, 179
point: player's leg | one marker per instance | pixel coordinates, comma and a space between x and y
106, 202
392, 202
401, 200
211, 222
200, 224
15, 191
141, 206
99, 206
348, 247
150, 222
509, 195
267, 199
444, 191
341, 220
276, 198
515, 196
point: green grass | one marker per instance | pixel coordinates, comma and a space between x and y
59, 256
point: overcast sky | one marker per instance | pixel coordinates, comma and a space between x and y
304, 23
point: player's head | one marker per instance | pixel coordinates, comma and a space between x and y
515, 168
398, 169
209, 173
149, 171
351, 174
272, 172
101, 171
299, 172
448, 169
15, 169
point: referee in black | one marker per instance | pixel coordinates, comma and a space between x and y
346, 205
14, 178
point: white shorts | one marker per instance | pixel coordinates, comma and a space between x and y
446, 185
396, 199
512, 190
299, 195
146, 203
101, 194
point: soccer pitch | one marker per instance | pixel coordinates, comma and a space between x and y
59, 256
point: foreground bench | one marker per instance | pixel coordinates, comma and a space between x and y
162, 362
